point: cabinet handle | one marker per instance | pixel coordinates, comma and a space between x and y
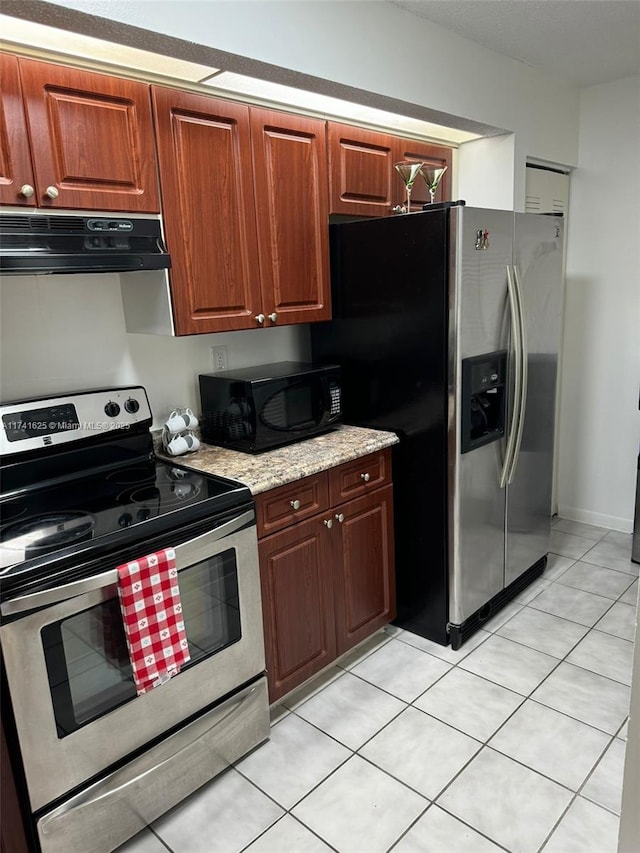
51, 192
295, 504
26, 190
340, 517
328, 522
259, 318
365, 477
273, 317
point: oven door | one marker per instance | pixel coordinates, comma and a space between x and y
74, 701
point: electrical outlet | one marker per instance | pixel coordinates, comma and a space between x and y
219, 356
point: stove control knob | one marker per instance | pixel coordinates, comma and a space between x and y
143, 514
131, 405
125, 519
112, 409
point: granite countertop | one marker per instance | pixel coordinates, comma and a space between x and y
276, 467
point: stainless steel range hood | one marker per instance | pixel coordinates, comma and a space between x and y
48, 243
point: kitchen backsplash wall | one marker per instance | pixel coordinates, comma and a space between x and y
67, 333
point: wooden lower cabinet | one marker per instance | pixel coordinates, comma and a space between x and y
297, 602
328, 582
364, 580
13, 837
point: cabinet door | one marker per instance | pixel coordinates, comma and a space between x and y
364, 583
435, 156
91, 139
297, 603
204, 151
290, 174
15, 158
362, 178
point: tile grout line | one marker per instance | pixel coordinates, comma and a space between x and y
484, 744
158, 837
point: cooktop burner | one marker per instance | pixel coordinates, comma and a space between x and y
47, 532
131, 476
96, 506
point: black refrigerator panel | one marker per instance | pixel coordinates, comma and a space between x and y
420, 527
389, 335
388, 331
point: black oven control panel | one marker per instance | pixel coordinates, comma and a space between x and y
47, 422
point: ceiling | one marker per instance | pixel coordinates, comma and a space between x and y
585, 42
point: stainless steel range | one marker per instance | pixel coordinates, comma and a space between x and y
82, 493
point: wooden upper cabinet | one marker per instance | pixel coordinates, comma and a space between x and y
435, 156
204, 152
362, 176
16, 174
290, 176
363, 181
244, 198
91, 138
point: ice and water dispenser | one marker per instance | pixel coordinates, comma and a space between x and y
483, 404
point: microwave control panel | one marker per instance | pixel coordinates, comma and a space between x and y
334, 390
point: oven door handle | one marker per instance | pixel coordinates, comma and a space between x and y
187, 554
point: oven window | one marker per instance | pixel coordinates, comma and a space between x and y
86, 654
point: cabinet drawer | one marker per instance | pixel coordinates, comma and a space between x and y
278, 508
360, 476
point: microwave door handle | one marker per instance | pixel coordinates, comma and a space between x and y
188, 553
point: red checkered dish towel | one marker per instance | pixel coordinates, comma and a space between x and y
152, 614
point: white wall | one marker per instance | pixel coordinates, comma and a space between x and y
66, 333
486, 167
599, 432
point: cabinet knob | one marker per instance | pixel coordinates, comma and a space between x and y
328, 522
260, 318
295, 504
365, 477
26, 190
273, 317
51, 192
340, 517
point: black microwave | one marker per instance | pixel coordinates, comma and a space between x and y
258, 408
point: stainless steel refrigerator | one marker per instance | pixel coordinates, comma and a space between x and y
446, 324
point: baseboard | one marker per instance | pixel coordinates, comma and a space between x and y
599, 519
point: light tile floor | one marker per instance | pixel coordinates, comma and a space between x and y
516, 742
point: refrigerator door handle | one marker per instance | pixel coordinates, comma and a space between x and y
516, 345
523, 375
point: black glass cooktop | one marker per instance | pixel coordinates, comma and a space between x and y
97, 511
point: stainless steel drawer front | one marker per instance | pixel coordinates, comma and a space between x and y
109, 812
